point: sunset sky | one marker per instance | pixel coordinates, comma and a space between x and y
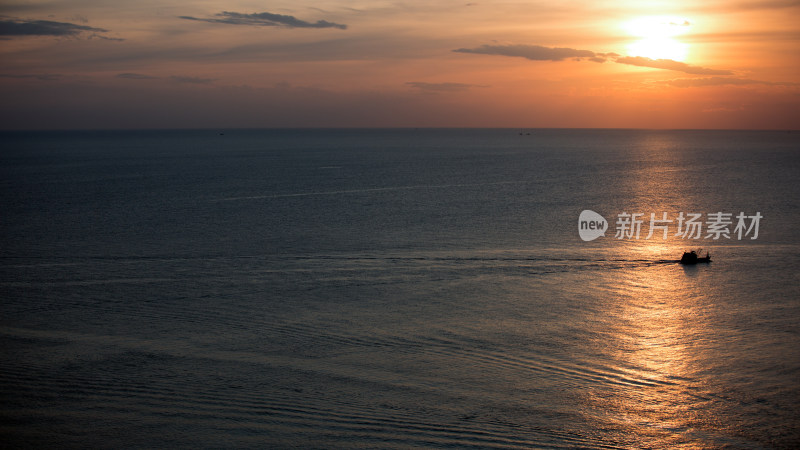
375, 63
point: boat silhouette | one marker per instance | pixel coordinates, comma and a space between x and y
693, 258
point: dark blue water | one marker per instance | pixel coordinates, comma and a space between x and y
395, 288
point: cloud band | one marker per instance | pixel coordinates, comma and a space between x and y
265, 19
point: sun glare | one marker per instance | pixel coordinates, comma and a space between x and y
657, 37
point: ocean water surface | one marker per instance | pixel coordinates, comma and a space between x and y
396, 289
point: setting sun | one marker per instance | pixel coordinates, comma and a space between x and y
659, 48
657, 37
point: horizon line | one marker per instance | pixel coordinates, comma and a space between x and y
376, 128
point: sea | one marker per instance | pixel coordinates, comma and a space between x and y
399, 288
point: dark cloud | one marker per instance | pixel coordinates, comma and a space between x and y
721, 81
36, 76
105, 38
192, 80
441, 87
669, 64
136, 76
540, 53
533, 52
265, 19
19, 27
174, 78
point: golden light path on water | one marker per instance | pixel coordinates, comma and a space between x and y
659, 316
656, 324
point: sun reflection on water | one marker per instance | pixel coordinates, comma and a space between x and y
657, 314
656, 320
680, 348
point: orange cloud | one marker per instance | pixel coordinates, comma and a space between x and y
265, 19
441, 87
720, 81
532, 52
669, 64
